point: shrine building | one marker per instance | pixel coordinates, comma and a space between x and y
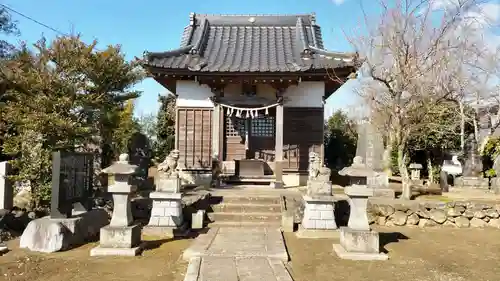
250, 92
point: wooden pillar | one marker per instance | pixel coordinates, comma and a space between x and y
216, 131
278, 148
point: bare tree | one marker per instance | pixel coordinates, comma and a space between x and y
411, 64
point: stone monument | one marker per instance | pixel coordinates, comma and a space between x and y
473, 167
495, 182
72, 221
357, 240
6, 187
121, 237
319, 217
167, 219
370, 147
415, 169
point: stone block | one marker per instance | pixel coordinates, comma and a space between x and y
319, 212
317, 233
120, 237
158, 212
52, 235
197, 219
167, 209
472, 182
3, 249
359, 240
384, 192
168, 185
359, 245
319, 187
166, 231
287, 222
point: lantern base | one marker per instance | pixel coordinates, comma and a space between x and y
359, 245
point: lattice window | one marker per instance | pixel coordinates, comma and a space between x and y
235, 127
263, 126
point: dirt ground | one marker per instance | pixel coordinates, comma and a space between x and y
415, 254
162, 261
440, 254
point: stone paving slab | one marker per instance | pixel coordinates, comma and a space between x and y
236, 269
239, 242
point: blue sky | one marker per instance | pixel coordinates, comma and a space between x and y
157, 26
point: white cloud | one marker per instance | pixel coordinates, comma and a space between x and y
338, 2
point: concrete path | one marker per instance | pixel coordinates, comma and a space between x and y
237, 254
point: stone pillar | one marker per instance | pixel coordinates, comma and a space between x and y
278, 149
357, 240
121, 237
6, 187
166, 219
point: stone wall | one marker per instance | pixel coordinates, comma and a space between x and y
395, 212
461, 214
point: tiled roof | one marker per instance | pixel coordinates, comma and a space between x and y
246, 43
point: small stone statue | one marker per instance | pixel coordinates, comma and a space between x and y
319, 177
170, 165
216, 171
314, 165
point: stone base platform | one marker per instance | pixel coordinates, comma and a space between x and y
3, 249
344, 254
166, 231
126, 252
317, 233
359, 245
52, 235
239, 242
236, 269
472, 182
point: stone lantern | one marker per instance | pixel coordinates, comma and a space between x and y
121, 237
357, 240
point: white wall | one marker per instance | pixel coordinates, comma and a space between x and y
306, 94
192, 94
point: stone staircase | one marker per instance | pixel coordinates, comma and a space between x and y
246, 211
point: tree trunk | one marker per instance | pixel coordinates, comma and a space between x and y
462, 126
403, 171
388, 153
476, 129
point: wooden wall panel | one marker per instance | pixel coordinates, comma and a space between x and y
194, 137
303, 132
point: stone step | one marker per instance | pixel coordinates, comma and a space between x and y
250, 224
246, 208
251, 199
245, 217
